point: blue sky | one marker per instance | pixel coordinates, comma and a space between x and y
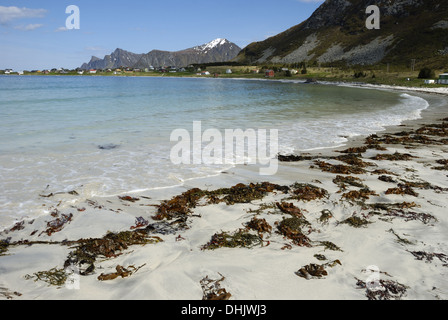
33, 34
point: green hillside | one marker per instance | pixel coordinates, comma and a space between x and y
411, 32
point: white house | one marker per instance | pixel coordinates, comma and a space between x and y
430, 81
92, 71
443, 78
80, 72
229, 71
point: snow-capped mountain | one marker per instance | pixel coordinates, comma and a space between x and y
218, 50
212, 45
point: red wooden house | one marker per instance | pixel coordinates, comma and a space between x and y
270, 73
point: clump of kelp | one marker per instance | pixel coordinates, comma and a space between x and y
393, 157
431, 134
181, 205
290, 208
344, 181
316, 271
307, 192
87, 251
429, 257
54, 277
339, 168
400, 210
241, 238
402, 189
4, 244
354, 159
120, 271
356, 222
212, 290
291, 228
362, 194
259, 225
382, 289
8, 294
57, 224
443, 163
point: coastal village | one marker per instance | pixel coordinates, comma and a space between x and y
313, 73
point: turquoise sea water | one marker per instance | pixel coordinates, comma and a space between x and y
111, 135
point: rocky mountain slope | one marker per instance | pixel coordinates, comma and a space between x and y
116, 59
336, 34
218, 50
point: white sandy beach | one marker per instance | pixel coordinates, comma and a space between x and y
386, 250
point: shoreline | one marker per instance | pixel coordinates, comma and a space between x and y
438, 90
281, 268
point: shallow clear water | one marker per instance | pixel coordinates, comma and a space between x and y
51, 128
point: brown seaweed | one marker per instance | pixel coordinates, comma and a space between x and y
383, 289
308, 192
120, 272
354, 159
238, 239
343, 181
425, 218
429, 257
54, 277
140, 222
362, 194
355, 150
385, 178
315, 271
339, 168
129, 199
291, 228
110, 246
294, 158
325, 216
4, 245
289, 208
402, 189
212, 290
181, 205
57, 224
393, 157
356, 222
9, 294
259, 225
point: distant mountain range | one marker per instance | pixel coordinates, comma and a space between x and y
411, 31
218, 50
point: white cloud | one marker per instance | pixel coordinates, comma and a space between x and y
8, 14
28, 27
